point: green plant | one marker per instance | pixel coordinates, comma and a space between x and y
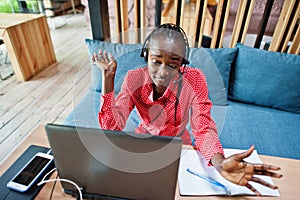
10, 6
6, 6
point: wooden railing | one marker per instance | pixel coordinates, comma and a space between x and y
287, 23
286, 36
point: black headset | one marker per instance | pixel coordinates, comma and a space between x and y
168, 26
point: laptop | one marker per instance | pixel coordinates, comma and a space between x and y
110, 164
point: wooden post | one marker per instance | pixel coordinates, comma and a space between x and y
242, 22
178, 4
291, 25
158, 12
282, 24
124, 20
263, 23
143, 19
118, 19
137, 20
295, 47
220, 23
99, 18
182, 13
201, 7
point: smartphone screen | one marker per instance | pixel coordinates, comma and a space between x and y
26, 177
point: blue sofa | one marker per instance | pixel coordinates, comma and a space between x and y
255, 95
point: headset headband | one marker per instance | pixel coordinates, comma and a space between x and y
167, 26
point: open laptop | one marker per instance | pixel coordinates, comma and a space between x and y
113, 164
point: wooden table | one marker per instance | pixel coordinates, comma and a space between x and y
288, 184
28, 43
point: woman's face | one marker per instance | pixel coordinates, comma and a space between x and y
164, 60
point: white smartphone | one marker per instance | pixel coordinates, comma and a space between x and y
27, 176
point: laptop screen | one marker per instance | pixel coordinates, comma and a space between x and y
115, 163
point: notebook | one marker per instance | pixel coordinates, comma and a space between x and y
193, 184
110, 164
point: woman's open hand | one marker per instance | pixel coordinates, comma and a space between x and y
108, 66
106, 63
240, 172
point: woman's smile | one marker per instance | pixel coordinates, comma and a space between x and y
162, 80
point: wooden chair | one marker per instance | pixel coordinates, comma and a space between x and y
286, 32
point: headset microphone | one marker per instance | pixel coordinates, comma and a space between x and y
181, 75
177, 80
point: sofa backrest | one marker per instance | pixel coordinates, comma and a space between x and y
247, 74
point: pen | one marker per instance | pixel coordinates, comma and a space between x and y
216, 183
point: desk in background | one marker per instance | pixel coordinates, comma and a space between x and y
28, 43
288, 184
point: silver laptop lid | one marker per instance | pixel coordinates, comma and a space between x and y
115, 163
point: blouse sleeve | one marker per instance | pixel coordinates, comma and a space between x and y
114, 112
203, 126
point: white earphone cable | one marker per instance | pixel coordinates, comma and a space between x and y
60, 179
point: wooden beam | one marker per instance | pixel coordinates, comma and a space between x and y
263, 23
99, 18
247, 17
137, 13
182, 13
124, 15
118, 16
242, 21
137, 20
201, 7
158, 4
238, 23
295, 47
178, 4
290, 28
167, 9
282, 24
220, 23
124, 20
143, 19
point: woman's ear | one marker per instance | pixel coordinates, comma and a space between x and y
185, 62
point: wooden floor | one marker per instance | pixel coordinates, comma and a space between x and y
51, 95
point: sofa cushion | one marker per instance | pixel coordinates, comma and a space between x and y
215, 63
273, 132
266, 78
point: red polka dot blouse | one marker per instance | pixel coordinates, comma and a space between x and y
164, 116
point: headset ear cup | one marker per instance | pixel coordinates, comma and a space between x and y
146, 55
185, 62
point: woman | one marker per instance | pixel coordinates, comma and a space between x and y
167, 95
